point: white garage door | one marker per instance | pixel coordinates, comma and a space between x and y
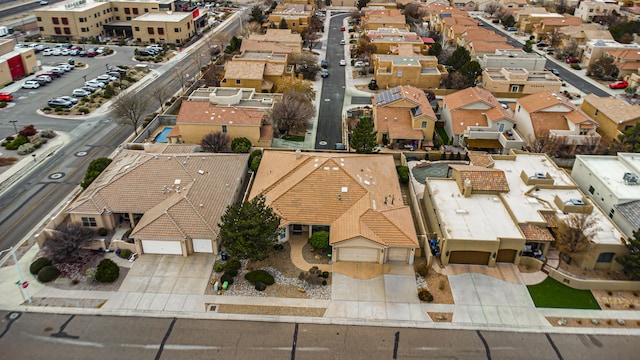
161, 247
398, 254
358, 254
202, 246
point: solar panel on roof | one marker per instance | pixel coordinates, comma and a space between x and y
389, 96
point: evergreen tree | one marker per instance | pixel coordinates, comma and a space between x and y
459, 57
630, 138
257, 15
471, 71
435, 49
631, 262
509, 21
528, 47
250, 229
363, 139
362, 3
283, 24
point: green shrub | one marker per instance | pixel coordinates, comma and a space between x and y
403, 174
84, 110
48, 273
95, 168
319, 240
254, 154
241, 145
325, 274
37, 265
233, 264
102, 231
259, 276
255, 163
576, 66
324, 282
9, 138
232, 272
226, 277
3, 104
260, 286
107, 271
425, 295
15, 144
278, 247
125, 253
218, 267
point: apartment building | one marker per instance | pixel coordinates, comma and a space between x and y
297, 16
259, 70
387, 40
422, 72
519, 80
279, 37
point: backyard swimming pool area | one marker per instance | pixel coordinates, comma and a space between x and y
162, 136
438, 169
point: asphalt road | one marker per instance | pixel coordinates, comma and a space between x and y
22, 8
54, 336
329, 131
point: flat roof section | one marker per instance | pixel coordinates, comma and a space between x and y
478, 217
610, 170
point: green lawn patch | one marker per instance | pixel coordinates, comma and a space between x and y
443, 135
298, 138
552, 294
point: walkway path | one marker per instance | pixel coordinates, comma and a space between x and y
297, 243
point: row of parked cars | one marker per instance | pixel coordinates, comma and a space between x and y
96, 84
65, 50
44, 78
151, 50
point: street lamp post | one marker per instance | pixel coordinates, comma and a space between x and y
14, 125
22, 283
107, 66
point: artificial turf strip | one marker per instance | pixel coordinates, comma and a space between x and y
552, 294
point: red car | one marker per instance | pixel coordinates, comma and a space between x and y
343, 28
572, 60
6, 96
92, 53
619, 85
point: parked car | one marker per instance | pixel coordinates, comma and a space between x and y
101, 50
55, 102
65, 66
49, 74
572, 60
343, 62
89, 89
6, 96
47, 52
117, 69
92, 53
64, 52
511, 28
41, 81
620, 84
82, 53
105, 78
74, 52
31, 84
114, 74
56, 52
541, 45
324, 64
324, 73
342, 42
359, 64
80, 93
95, 84
145, 53
46, 78
555, 72
57, 71
69, 99
44, 2
342, 28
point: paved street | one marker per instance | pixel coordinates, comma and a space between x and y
59, 336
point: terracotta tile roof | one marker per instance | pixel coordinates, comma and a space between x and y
615, 109
630, 65
462, 119
490, 47
469, 96
482, 179
261, 45
357, 195
473, 106
203, 112
536, 233
543, 100
626, 54
397, 120
238, 69
481, 160
180, 195
566, 21
277, 35
550, 218
543, 122
477, 33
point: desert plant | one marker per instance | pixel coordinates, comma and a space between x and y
313, 276
218, 267
125, 253
48, 134
26, 149
260, 286
319, 240
37, 265
232, 272
241, 145
67, 240
325, 274
107, 271
425, 295
75, 282
259, 276
233, 264
48, 273
226, 277
28, 130
403, 174
102, 231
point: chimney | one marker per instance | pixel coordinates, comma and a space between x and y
298, 154
466, 188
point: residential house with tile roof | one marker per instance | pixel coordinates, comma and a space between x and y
474, 118
388, 40
588, 10
419, 71
403, 118
297, 16
172, 201
627, 61
613, 115
387, 18
547, 27
580, 34
356, 197
237, 112
519, 80
612, 182
547, 114
259, 70
596, 49
279, 36
500, 208
475, 33
479, 48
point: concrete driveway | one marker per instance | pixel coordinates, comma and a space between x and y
389, 294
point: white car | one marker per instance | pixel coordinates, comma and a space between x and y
45, 78
64, 52
69, 99
95, 84
342, 42
80, 93
31, 84
105, 78
359, 64
343, 62
56, 52
65, 66
44, 2
47, 52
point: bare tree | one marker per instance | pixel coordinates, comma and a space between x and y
182, 76
491, 8
250, 28
67, 240
574, 233
290, 83
292, 112
129, 108
215, 142
414, 13
160, 94
545, 143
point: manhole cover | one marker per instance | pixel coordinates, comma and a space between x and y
56, 176
13, 315
323, 143
81, 153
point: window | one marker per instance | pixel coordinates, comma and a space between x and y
518, 110
591, 189
150, 30
128, 18
39, 18
115, 9
57, 30
611, 213
81, 19
160, 31
501, 127
55, 20
146, 10
514, 88
152, 40
224, 127
127, 11
293, 24
188, 25
135, 11
67, 31
117, 18
89, 221
424, 125
41, 28
84, 29
238, 82
137, 28
584, 131
399, 73
596, 112
138, 40
606, 257
176, 29
283, 233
